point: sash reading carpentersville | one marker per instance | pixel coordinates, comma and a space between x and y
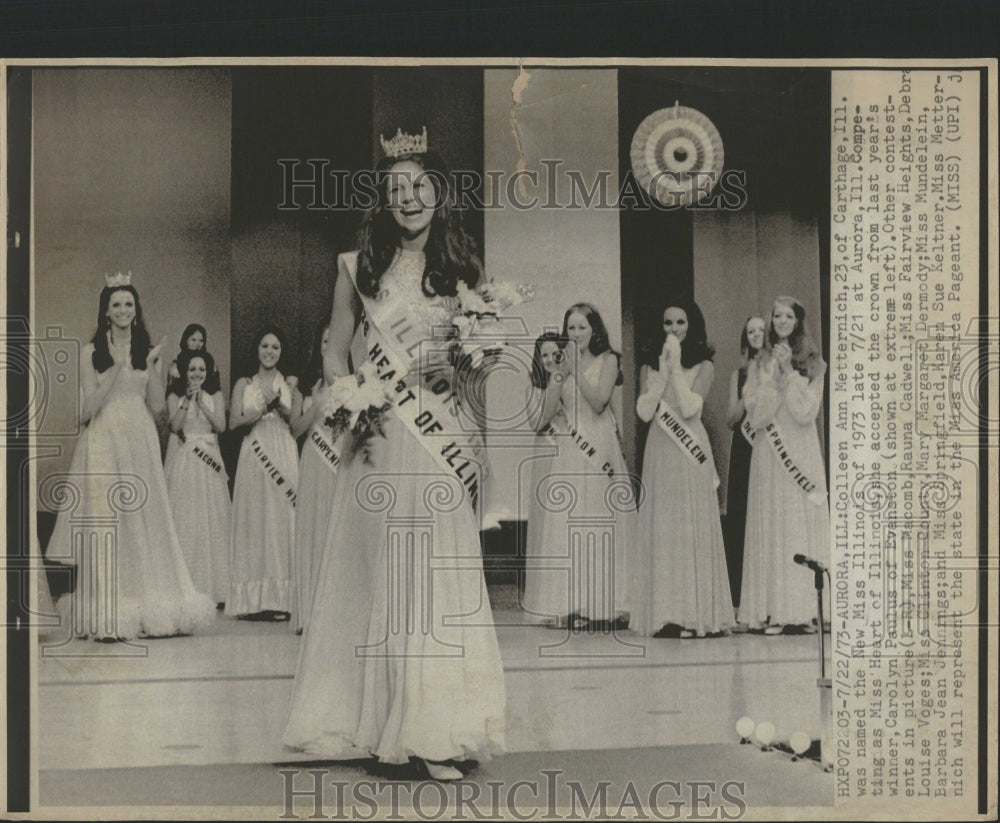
747, 430
324, 448
673, 426
431, 419
272, 471
809, 488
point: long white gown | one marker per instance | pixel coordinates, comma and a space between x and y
680, 569
581, 519
261, 577
199, 495
318, 467
782, 518
131, 578
400, 655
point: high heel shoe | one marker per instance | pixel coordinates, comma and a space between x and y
442, 771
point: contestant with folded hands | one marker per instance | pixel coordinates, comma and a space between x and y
681, 583
787, 511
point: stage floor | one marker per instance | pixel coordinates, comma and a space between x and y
220, 699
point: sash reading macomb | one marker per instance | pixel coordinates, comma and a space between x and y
431, 418
673, 426
206, 448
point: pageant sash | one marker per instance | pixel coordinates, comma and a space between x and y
673, 426
271, 470
206, 448
327, 450
747, 430
599, 461
773, 436
429, 408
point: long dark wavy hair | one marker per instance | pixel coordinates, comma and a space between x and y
101, 358
540, 377
599, 342
450, 252
253, 361
190, 329
694, 346
178, 385
211, 384
314, 367
805, 356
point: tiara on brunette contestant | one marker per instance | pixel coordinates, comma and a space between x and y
119, 279
404, 143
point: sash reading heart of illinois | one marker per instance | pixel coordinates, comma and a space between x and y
427, 407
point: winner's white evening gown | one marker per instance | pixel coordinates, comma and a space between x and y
400, 655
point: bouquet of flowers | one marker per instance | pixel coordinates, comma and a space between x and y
479, 332
359, 403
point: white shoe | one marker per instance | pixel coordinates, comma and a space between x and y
442, 771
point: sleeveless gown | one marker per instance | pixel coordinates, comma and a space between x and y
581, 518
400, 655
317, 480
132, 580
263, 530
199, 494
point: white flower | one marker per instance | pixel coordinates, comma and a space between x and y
367, 372
338, 393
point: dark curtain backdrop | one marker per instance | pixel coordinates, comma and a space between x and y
284, 259
774, 125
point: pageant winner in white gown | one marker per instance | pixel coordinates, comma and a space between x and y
143, 588
400, 658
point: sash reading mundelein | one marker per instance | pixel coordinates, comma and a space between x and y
773, 436
673, 426
431, 419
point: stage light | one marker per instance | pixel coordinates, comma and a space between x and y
800, 742
744, 728
764, 733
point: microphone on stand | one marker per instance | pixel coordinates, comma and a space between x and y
802, 560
